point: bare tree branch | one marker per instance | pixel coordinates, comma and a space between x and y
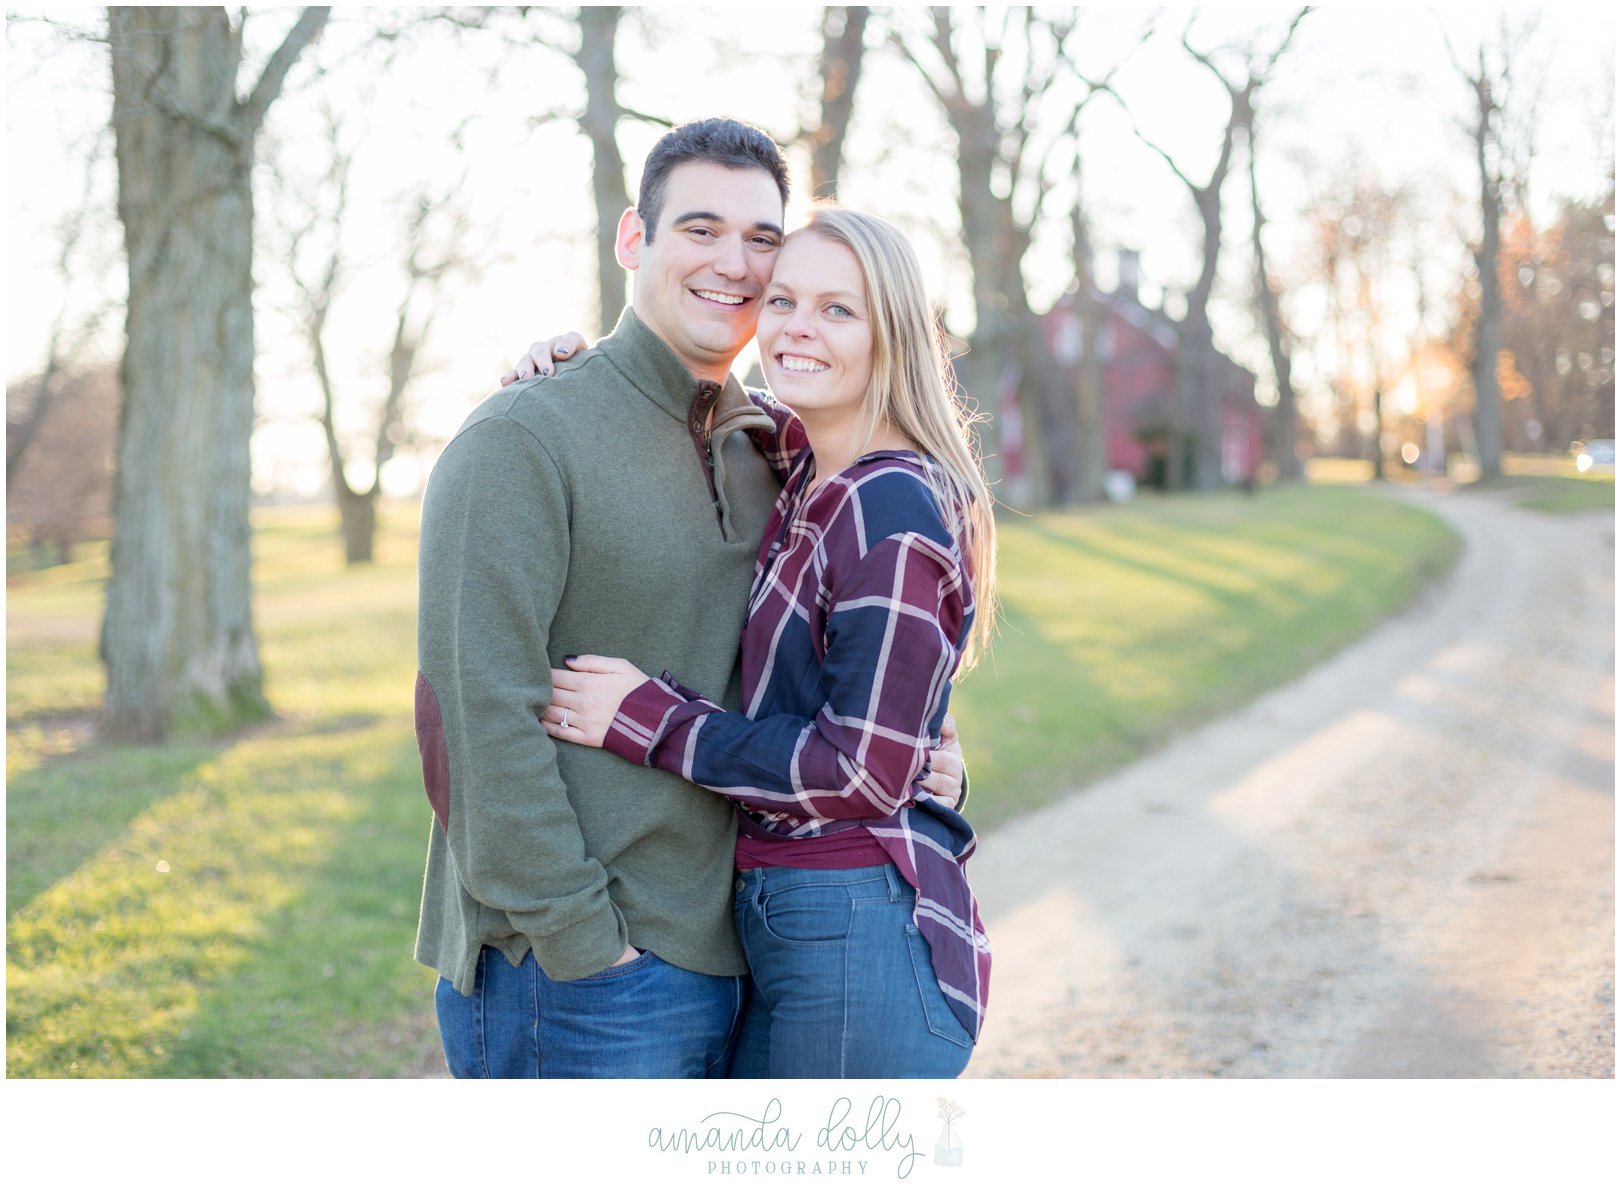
1109, 89
252, 113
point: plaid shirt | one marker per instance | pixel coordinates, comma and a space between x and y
861, 606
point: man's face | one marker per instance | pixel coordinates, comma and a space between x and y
698, 282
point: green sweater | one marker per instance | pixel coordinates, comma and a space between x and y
574, 516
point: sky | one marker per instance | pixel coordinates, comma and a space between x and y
1369, 82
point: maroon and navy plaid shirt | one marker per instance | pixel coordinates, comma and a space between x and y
862, 604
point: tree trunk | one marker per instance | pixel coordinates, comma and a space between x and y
1378, 431
1091, 463
358, 512
1489, 330
1193, 453
177, 637
981, 372
844, 31
995, 250
599, 26
1056, 434
1285, 416
1198, 398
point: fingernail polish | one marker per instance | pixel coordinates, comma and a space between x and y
571, 658
545, 371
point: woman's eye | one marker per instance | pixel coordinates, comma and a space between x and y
780, 303
840, 311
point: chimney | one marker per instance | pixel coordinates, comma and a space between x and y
1128, 272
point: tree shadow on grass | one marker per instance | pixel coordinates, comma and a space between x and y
63, 812
1227, 596
330, 987
67, 809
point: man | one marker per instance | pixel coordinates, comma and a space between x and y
578, 908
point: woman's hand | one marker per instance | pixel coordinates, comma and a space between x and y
945, 778
542, 355
586, 696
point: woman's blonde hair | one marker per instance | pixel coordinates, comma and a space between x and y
911, 390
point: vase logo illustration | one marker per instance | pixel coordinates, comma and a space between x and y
948, 1148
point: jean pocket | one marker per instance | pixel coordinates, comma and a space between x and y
637, 964
807, 914
937, 1013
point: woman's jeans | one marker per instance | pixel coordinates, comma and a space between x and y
645, 1019
842, 984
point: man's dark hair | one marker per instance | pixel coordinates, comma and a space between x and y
716, 141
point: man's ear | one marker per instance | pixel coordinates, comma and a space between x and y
631, 236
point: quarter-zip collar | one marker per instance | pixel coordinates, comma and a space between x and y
654, 370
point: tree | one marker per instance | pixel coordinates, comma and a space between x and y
1091, 459
594, 55
1359, 228
1193, 413
994, 79
1491, 80
60, 491
844, 33
177, 637
73, 329
432, 242
1285, 416
1558, 288
588, 37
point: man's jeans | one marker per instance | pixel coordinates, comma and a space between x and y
842, 986
645, 1019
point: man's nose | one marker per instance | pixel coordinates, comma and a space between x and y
730, 259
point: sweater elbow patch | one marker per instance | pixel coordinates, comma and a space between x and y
430, 730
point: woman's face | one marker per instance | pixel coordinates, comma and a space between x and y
815, 333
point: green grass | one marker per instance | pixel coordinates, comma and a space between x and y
246, 907
1125, 626
1551, 483
241, 908
1541, 482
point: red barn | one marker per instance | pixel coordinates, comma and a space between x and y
1137, 351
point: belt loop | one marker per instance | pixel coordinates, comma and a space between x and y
892, 875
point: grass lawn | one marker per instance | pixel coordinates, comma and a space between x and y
1551, 483
1123, 626
247, 907
1541, 482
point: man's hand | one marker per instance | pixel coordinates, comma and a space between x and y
945, 779
542, 356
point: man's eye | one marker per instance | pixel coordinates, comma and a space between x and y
699, 231
767, 242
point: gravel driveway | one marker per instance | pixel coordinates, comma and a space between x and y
1401, 865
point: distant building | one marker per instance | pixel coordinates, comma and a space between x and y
1137, 351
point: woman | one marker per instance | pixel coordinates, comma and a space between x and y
873, 588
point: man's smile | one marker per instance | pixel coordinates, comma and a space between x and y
728, 299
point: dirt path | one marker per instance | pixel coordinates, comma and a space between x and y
1402, 865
